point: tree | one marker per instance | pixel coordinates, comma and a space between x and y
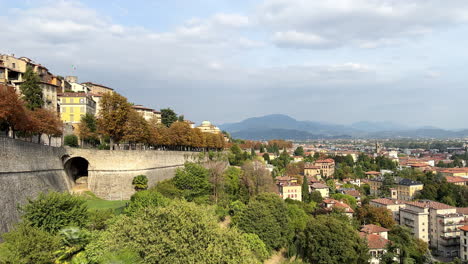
299, 151
266, 157
368, 214
12, 111
113, 116
231, 180
305, 190
87, 128
168, 116
27, 244
74, 241
30, 89
216, 177
181, 135
48, 123
330, 240
54, 211
266, 216
183, 233
136, 128
256, 178
140, 182
262, 149
410, 248
193, 180
71, 141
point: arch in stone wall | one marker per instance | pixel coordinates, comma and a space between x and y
76, 168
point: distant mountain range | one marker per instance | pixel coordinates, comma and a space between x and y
279, 126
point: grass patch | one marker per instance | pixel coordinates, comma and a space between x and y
3, 253
95, 203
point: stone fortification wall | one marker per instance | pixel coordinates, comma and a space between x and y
26, 169
110, 173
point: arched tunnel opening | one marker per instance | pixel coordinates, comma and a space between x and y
77, 170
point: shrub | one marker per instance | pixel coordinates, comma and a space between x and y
71, 141
181, 232
98, 218
140, 182
168, 189
144, 199
27, 244
54, 211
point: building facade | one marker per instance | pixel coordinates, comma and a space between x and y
74, 105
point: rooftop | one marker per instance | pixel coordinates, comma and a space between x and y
387, 201
430, 204
371, 229
318, 185
374, 241
325, 161
409, 182
97, 84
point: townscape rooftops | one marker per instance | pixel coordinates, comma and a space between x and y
140, 107
464, 228
372, 229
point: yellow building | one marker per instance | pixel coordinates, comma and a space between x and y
375, 184
207, 127
407, 189
74, 105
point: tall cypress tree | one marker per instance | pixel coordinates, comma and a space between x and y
32, 92
305, 190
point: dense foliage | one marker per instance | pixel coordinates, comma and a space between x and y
54, 211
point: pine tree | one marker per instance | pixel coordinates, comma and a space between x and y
32, 92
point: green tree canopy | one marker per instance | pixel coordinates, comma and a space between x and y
54, 211
30, 89
267, 216
193, 180
332, 241
168, 116
299, 151
181, 232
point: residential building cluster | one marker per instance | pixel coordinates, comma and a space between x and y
67, 96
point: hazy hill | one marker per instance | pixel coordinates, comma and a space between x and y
286, 127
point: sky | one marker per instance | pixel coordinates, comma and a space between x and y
336, 61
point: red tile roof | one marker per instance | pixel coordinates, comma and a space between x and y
319, 185
387, 201
97, 84
464, 228
372, 173
325, 161
462, 210
374, 241
430, 204
455, 179
339, 204
372, 229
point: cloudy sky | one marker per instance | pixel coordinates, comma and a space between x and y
338, 61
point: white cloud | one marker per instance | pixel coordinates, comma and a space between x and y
362, 23
233, 20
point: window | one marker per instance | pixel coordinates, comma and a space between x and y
72, 100
72, 118
82, 109
13, 65
71, 109
64, 110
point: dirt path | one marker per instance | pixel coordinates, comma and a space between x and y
276, 258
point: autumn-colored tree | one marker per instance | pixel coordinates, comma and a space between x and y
256, 178
12, 112
180, 134
198, 138
48, 123
136, 128
113, 116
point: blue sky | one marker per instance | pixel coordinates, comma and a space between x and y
338, 61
